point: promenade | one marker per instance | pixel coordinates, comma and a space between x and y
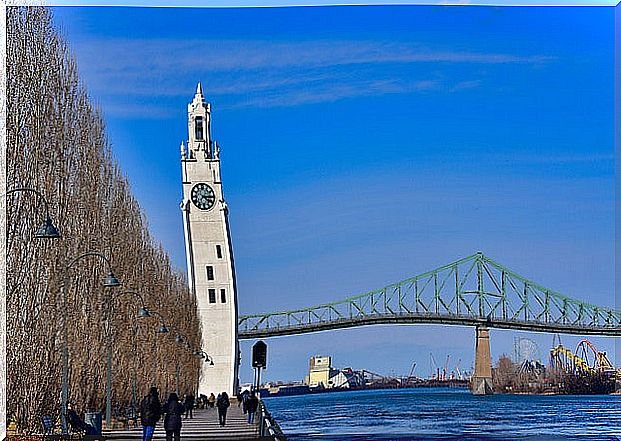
204, 426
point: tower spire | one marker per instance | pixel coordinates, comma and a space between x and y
199, 89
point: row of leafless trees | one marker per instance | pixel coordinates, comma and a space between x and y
56, 143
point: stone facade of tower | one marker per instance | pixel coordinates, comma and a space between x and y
211, 270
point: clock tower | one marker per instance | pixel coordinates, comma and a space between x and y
211, 271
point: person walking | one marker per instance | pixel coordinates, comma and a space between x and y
244, 400
172, 421
222, 403
212, 400
252, 403
150, 413
189, 405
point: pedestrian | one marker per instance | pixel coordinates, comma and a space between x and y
189, 405
212, 400
252, 403
150, 413
244, 401
222, 403
172, 421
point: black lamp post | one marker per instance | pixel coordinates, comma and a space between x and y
47, 230
142, 312
110, 281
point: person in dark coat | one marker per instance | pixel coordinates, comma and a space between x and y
77, 424
172, 421
244, 400
222, 403
189, 405
252, 403
150, 413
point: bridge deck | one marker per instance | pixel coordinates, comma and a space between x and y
204, 426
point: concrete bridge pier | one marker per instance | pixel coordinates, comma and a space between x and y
481, 383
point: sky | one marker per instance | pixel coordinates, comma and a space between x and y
363, 145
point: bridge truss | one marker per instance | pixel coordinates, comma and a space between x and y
474, 291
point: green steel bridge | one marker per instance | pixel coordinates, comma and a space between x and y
474, 291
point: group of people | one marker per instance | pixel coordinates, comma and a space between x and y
151, 411
249, 403
203, 402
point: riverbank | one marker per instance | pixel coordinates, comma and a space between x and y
292, 390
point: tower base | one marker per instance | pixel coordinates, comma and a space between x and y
481, 386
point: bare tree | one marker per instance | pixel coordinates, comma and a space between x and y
56, 142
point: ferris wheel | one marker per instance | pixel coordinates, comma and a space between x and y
525, 349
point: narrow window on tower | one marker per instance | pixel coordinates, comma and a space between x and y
209, 272
212, 296
219, 251
223, 296
198, 128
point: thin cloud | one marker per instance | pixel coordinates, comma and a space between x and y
261, 73
218, 55
564, 159
336, 92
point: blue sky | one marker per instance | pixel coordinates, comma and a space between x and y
363, 145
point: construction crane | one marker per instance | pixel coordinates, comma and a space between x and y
445, 369
457, 371
412, 371
435, 370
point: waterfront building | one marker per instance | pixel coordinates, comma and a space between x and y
321, 374
320, 371
209, 253
346, 379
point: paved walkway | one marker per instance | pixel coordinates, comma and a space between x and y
204, 426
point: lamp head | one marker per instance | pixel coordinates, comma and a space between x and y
163, 329
111, 281
47, 230
179, 339
143, 312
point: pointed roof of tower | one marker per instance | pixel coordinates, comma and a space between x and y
198, 96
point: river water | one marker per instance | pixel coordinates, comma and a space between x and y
446, 414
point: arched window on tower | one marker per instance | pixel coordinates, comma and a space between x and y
198, 128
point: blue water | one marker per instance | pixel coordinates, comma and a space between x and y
446, 414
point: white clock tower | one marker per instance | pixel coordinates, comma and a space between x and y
211, 271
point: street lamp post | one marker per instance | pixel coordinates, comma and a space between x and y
181, 339
161, 330
142, 312
203, 355
109, 282
47, 230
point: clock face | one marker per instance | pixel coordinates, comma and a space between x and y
203, 196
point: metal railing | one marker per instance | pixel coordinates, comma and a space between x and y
268, 427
